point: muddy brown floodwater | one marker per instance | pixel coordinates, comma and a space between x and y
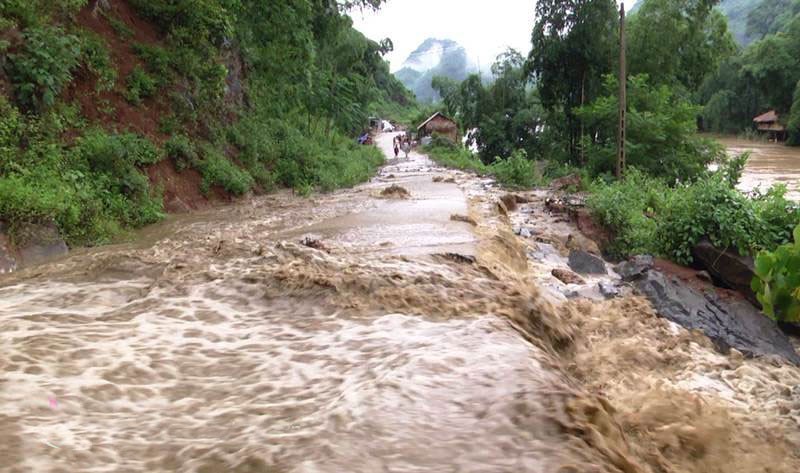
770, 163
396, 339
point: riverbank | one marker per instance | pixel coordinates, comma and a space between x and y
365, 330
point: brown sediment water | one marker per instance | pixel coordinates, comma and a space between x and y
218, 342
769, 164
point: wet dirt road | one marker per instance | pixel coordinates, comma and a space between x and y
220, 343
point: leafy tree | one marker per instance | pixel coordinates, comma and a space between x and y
574, 45
678, 42
661, 134
793, 125
771, 16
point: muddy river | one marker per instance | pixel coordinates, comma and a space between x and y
770, 163
367, 331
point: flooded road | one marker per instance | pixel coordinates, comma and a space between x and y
770, 163
396, 339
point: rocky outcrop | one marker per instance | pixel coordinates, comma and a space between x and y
727, 268
34, 243
583, 262
729, 323
8, 260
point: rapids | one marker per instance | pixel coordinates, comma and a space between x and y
219, 342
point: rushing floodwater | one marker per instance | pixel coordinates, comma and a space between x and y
218, 343
769, 163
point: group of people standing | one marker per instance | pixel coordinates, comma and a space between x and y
401, 142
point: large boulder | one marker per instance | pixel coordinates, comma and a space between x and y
37, 243
583, 262
635, 268
727, 268
8, 261
729, 323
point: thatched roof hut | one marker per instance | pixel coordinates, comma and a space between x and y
439, 124
770, 123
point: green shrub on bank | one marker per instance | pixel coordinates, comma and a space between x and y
97, 58
93, 190
515, 171
140, 85
777, 281
456, 157
219, 171
43, 66
647, 216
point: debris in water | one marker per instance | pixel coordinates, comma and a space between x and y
463, 218
53, 402
566, 276
457, 257
314, 243
395, 192
510, 202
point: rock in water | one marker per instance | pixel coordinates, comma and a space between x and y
566, 276
510, 202
37, 243
635, 268
727, 268
729, 324
586, 263
608, 290
395, 192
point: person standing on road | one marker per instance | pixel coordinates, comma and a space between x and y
406, 147
396, 147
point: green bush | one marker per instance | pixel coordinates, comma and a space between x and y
626, 208
43, 66
219, 171
140, 86
96, 56
157, 60
515, 171
457, 157
777, 281
647, 216
181, 151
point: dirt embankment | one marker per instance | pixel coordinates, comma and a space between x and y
121, 30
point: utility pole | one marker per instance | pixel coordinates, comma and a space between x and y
623, 86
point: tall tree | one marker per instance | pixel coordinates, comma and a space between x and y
574, 44
678, 42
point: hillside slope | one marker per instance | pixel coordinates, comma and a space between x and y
115, 111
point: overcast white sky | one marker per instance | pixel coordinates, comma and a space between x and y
484, 27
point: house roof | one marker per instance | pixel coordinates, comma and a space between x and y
768, 117
437, 114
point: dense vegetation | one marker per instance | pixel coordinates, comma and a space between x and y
559, 107
250, 95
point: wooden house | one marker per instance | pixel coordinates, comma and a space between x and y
439, 124
770, 123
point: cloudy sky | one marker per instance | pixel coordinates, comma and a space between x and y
484, 27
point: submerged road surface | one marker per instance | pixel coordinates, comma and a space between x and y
368, 330
220, 343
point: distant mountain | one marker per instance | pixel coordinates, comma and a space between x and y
432, 58
735, 10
